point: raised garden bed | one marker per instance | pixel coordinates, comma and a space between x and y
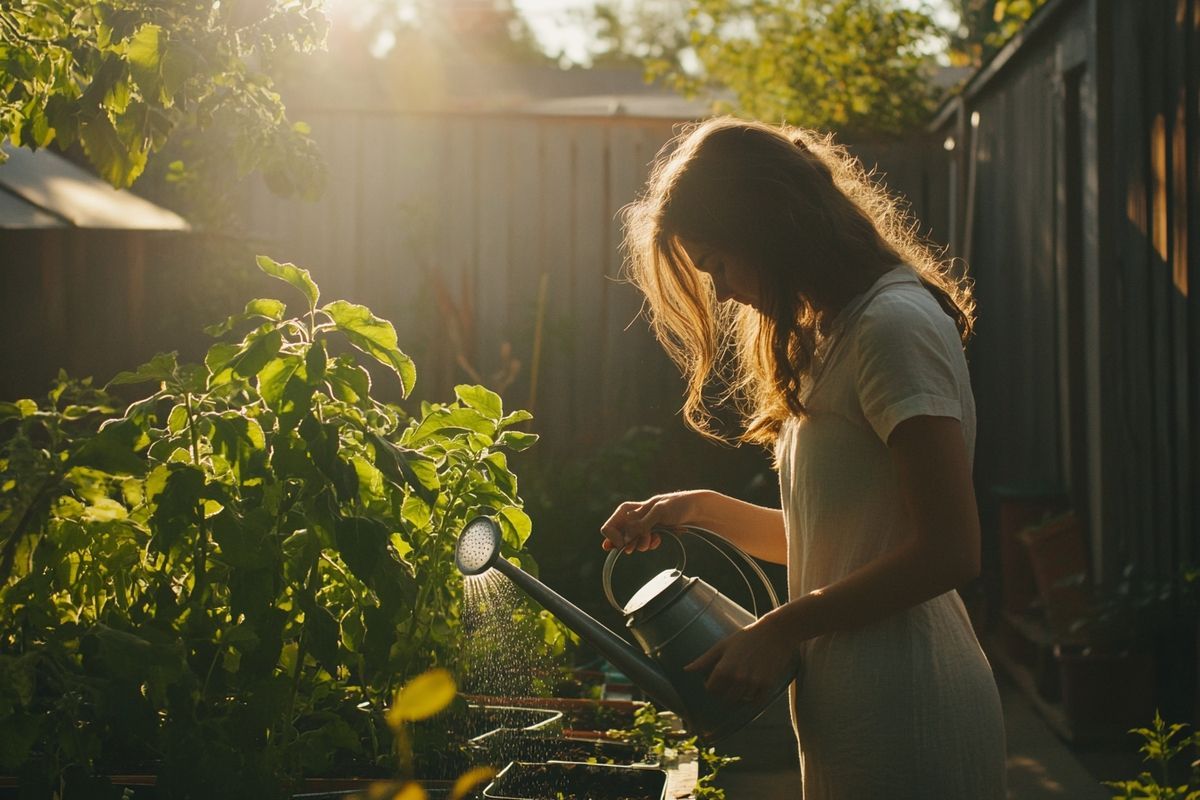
567, 781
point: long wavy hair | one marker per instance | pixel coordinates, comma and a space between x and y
809, 222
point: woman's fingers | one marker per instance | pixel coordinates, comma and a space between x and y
621, 526
631, 526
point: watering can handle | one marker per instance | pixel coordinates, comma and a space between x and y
707, 536
611, 562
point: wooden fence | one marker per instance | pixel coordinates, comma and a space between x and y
478, 232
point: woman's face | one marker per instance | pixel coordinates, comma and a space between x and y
733, 279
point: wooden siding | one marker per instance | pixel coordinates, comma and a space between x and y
1086, 178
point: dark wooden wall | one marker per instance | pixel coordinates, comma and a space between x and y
1153, 150
1076, 228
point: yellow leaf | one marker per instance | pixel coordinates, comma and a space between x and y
410, 791
998, 10
422, 697
469, 780
386, 790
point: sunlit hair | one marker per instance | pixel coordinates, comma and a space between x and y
802, 213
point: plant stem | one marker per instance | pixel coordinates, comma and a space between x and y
302, 644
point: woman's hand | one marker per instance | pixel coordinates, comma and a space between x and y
746, 666
631, 526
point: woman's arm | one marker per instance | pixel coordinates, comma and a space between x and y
930, 461
934, 478
756, 529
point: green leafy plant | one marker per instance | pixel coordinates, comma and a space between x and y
223, 583
658, 733
1160, 747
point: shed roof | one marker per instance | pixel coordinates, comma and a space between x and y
44, 190
649, 106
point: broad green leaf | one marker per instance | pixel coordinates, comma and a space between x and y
104, 510
290, 273
515, 526
321, 633
119, 162
483, 400
404, 467
159, 369
416, 511
350, 382
315, 362
114, 449
26, 407
177, 419
274, 376
261, 308
370, 479
245, 360
180, 62
353, 630
497, 467
145, 60
442, 419
373, 336
515, 417
362, 544
422, 697
516, 440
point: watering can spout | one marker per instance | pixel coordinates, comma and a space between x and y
478, 550
636, 666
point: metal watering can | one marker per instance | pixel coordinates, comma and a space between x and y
675, 619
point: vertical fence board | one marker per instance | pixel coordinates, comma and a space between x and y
588, 263
556, 389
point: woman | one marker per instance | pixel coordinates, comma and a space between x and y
772, 264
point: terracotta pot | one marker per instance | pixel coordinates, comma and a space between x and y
1057, 555
1021, 507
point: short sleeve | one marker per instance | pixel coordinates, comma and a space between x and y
905, 365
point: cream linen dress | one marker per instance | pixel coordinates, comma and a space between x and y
905, 707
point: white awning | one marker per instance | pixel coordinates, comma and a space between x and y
62, 194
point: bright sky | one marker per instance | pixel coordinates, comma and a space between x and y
550, 20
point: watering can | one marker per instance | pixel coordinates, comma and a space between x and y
675, 619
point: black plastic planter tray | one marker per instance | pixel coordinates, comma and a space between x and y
488, 719
560, 780
504, 745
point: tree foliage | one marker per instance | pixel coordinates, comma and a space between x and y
857, 66
119, 77
985, 25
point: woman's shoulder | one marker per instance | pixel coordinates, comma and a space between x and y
903, 307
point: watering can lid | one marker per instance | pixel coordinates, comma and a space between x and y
660, 589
